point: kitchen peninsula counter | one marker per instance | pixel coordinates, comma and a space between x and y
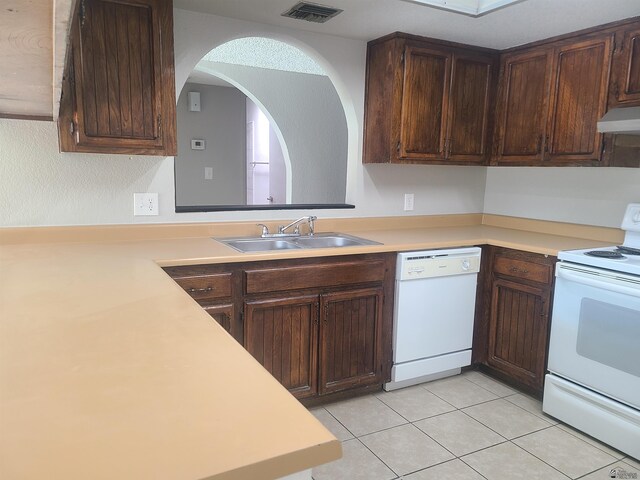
108, 369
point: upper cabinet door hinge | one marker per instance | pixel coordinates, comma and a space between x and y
159, 124
402, 59
82, 13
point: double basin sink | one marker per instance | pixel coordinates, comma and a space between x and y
320, 240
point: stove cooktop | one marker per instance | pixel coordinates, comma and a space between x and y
611, 258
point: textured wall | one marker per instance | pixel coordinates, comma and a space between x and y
594, 196
221, 123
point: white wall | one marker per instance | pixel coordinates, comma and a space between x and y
39, 186
594, 196
221, 123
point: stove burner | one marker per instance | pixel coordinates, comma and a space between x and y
628, 250
605, 254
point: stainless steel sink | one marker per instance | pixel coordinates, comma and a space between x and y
322, 240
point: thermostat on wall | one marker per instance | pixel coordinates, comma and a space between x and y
197, 144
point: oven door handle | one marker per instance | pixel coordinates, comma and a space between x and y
612, 282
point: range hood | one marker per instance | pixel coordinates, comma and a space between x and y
621, 120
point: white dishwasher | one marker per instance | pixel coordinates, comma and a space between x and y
435, 298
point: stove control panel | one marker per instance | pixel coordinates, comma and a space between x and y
631, 220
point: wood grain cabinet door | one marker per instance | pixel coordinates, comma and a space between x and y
223, 314
521, 108
518, 330
424, 104
122, 83
282, 334
350, 339
578, 100
625, 80
469, 108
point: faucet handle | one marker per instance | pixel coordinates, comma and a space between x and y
265, 229
311, 219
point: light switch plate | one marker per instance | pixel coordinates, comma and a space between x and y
408, 202
208, 173
145, 204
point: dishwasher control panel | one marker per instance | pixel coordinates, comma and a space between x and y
438, 263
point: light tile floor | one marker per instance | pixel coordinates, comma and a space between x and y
465, 427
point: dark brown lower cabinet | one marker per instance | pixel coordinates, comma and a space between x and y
511, 335
518, 329
321, 326
350, 339
223, 314
282, 334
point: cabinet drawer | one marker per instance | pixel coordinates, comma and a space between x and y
313, 276
522, 269
207, 287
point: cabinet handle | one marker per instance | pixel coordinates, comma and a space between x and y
200, 290
546, 143
450, 147
523, 271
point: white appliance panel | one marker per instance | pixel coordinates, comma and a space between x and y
595, 330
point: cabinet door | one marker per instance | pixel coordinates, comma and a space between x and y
350, 339
578, 100
522, 107
122, 80
424, 104
469, 109
518, 330
282, 334
625, 83
223, 314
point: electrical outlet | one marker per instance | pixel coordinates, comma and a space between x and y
408, 202
208, 173
145, 204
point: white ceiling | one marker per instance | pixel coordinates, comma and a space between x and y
520, 23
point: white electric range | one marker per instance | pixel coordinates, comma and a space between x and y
593, 382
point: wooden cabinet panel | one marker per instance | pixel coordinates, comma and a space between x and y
625, 80
223, 314
512, 316
578, 101
282, 334
428, 101
120, 93
522, 106
350, 339
518, 328
279, 279
206, 288
470, 108
424, 103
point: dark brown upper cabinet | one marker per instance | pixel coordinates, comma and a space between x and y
427, 101
522, 106
119, 88
550, 98
625, 76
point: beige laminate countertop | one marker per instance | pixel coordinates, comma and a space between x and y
108, 369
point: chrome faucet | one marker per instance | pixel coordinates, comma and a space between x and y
296, 231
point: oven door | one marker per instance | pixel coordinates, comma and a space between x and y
595, 331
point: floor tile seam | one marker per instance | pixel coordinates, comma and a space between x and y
383, 429
605, 466
343, 425
375, 455
418, 420
570, 432
436, 464
471, 467
466, 406
543, 461
486, 426
541, 416
491, 391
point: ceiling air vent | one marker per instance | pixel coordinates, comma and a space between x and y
311, 12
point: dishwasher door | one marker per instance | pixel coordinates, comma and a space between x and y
435, 301
434, 316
